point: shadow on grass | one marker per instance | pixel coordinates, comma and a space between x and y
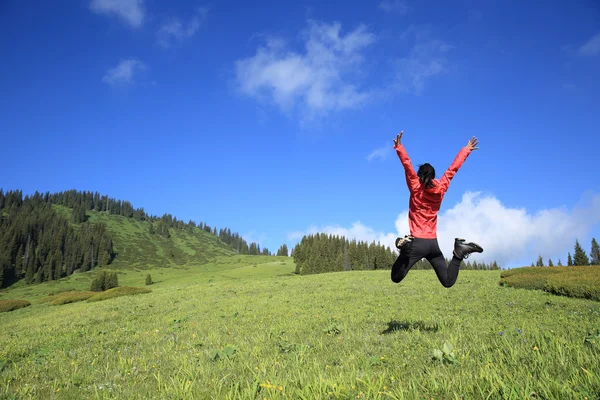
394, 326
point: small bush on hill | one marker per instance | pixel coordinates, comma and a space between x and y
148, 280
104, 281
10, 305
118, 292
71, 297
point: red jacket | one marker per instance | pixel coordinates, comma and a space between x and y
425, 203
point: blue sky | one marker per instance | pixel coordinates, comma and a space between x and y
277, 119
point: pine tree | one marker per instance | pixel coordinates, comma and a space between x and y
580, 258
29, 273
559, 263
98, 282
595, 253
540, 262
2, 268
79, 214
550, 264
346, 258
283, 250
19, 264
112, 281
39, 276
569, 260
57, 264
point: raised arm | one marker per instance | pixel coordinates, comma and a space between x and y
412, 180
458, 162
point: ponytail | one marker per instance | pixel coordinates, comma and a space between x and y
426, 175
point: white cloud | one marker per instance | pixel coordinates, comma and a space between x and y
316, 79
124, 73
396, 6
425, 60
591, 47
173, 30
130, 11
512, 236
380, 153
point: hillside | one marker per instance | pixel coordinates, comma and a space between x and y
47, 237
135, 247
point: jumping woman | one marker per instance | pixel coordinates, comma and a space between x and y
426, 195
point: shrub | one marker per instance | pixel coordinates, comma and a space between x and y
582, 282
112, 281
71, 297
104, 280
10, 305
148, 280
118, 292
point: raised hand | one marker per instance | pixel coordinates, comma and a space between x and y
398, 138
472, 144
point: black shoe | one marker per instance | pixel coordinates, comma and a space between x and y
403, 242
464, 249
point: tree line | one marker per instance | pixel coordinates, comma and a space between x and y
37, 244
322, 252
579, 258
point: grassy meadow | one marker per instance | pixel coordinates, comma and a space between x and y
246, 327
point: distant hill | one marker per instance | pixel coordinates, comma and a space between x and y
47, 236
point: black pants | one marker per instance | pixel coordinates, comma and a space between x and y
430, 250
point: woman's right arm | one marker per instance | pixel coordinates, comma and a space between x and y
412, 180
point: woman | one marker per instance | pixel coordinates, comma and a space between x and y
426, 195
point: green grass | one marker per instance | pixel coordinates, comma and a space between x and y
582, 282
229, 330
118, 292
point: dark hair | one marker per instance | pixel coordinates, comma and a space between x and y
426, 175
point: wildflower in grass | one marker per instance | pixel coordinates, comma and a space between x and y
501, 333
535, 348
519, 331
